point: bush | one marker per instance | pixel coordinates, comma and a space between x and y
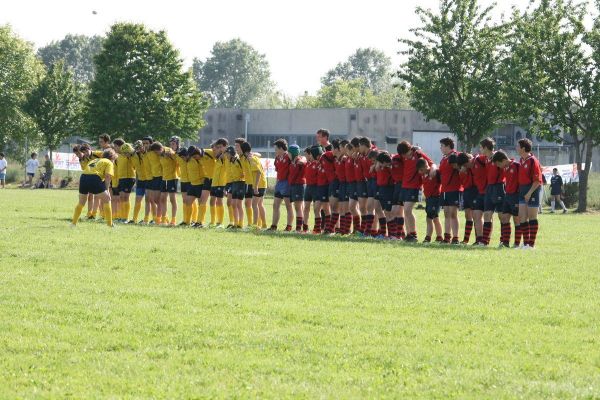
12, 175
570, 195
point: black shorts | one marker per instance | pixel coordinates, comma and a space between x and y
361, 189
334, 188
469, 196
126, 185
261, 192
155, 184
372, 187
141, 184
217, 191
410, 195
91, 184
207, 184
451, 199
227, 188
194, 190
185, 187
491, 203
114, 191
249, 192
169, 186
432, 207
397, 196
555, 192
479, 202
351, 190
323, 194
310, 193
511, 204
386, 197
343, 195
238, 190
296, 192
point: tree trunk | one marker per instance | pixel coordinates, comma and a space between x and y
584, 174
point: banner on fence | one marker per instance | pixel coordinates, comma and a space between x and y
568, 172
66, 161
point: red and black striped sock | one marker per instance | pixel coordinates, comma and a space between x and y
505, 233
392, 228
468, 229
369, 219
427, 238
533, 230
447, 237
333, 222
382, 227
401, 231
305, 227
356, 223
518, 234
299, 223
487, 232
525, 232
317, 228
327, 223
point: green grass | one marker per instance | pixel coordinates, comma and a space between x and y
177, 313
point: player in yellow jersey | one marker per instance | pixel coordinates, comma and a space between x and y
96, 179
258, 185
196, 177
84, 154
208, 167
170, 179
105, 144
219, 180
182, 160
139, 164
249, 180
238, 186
126, 172
115, 195
154, 172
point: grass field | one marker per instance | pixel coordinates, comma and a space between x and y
142, 312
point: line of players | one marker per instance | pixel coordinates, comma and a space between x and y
351, 186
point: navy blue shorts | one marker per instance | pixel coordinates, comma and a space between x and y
238, 190
185, 187
372, 187
451, 199
351, 190
494, 198
479, 202
228, 188
469, 196
297, 192
334, 188
386, 197
397, 196
410, 195
207, 184
140, 187
432, 207
91, 184
323, 194
361, 189
114, 191
261, 193
169, 186
126, 185
282, 189
195, 191
249, 192
155, 184
343, 192
310, 193
217, 191
534, 201
555, 192
511, 204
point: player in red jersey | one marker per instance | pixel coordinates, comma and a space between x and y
310, 192
321, 203
367, 201
451, 189
411, 183
297, 183
361, 187
530, 181
282, 187
339, 151
510, 207
470, 192
494, 191
385, 193
478, 167
432, 186
327, 161
352, 213
397, 201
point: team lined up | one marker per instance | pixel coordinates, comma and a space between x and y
351, 186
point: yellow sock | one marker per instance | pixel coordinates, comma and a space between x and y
201, 213
220, 214
187, 213
136, 211
194, 213
108, 214
77, 213
250, 215
213, 214
231, 215
94, 212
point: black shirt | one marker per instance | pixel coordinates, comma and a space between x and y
556, 183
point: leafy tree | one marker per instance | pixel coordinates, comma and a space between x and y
56, 106
19, 73
453, 68
140, 89
77, 51
370, 65
234, 76
554, 78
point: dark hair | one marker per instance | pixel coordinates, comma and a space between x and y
194, 151
105, 137
148, 139
85, 146
336, 144
246, 148
488, 143
349, 147
373, 154
344, 142
182, 152
109, 153
421, 163
499, 156
364, 141
76, 149
316, 151
384, 157
281, 144
222, 142
462, 159
231, 151
239, 140
553, 169
118, 142
355, 141
453, 159
1, 154
307, 150
448, 141
156, 146
525, 144
33, 154
403, 147
323, 132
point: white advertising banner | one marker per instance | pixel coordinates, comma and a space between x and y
66, 161
269, 167
568, 172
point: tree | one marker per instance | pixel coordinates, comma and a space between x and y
19, 73
370, 65
56, 106
77, 52
234, 75
453, 68
140, 89
554, 78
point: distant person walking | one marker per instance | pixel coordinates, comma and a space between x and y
49, 168
556, 189
3, 165
30, 167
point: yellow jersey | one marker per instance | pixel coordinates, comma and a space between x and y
208, 163
125, 168
194, 171
99, 167
139, 164
147, 166
246, 167
154, 162
168, 163
235, 171
83, 162
183, 171
256, 168
219, 177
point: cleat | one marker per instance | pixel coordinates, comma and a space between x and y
411, 239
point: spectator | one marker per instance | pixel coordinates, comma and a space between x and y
49, 167
30, 167
3, 165
556, 184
